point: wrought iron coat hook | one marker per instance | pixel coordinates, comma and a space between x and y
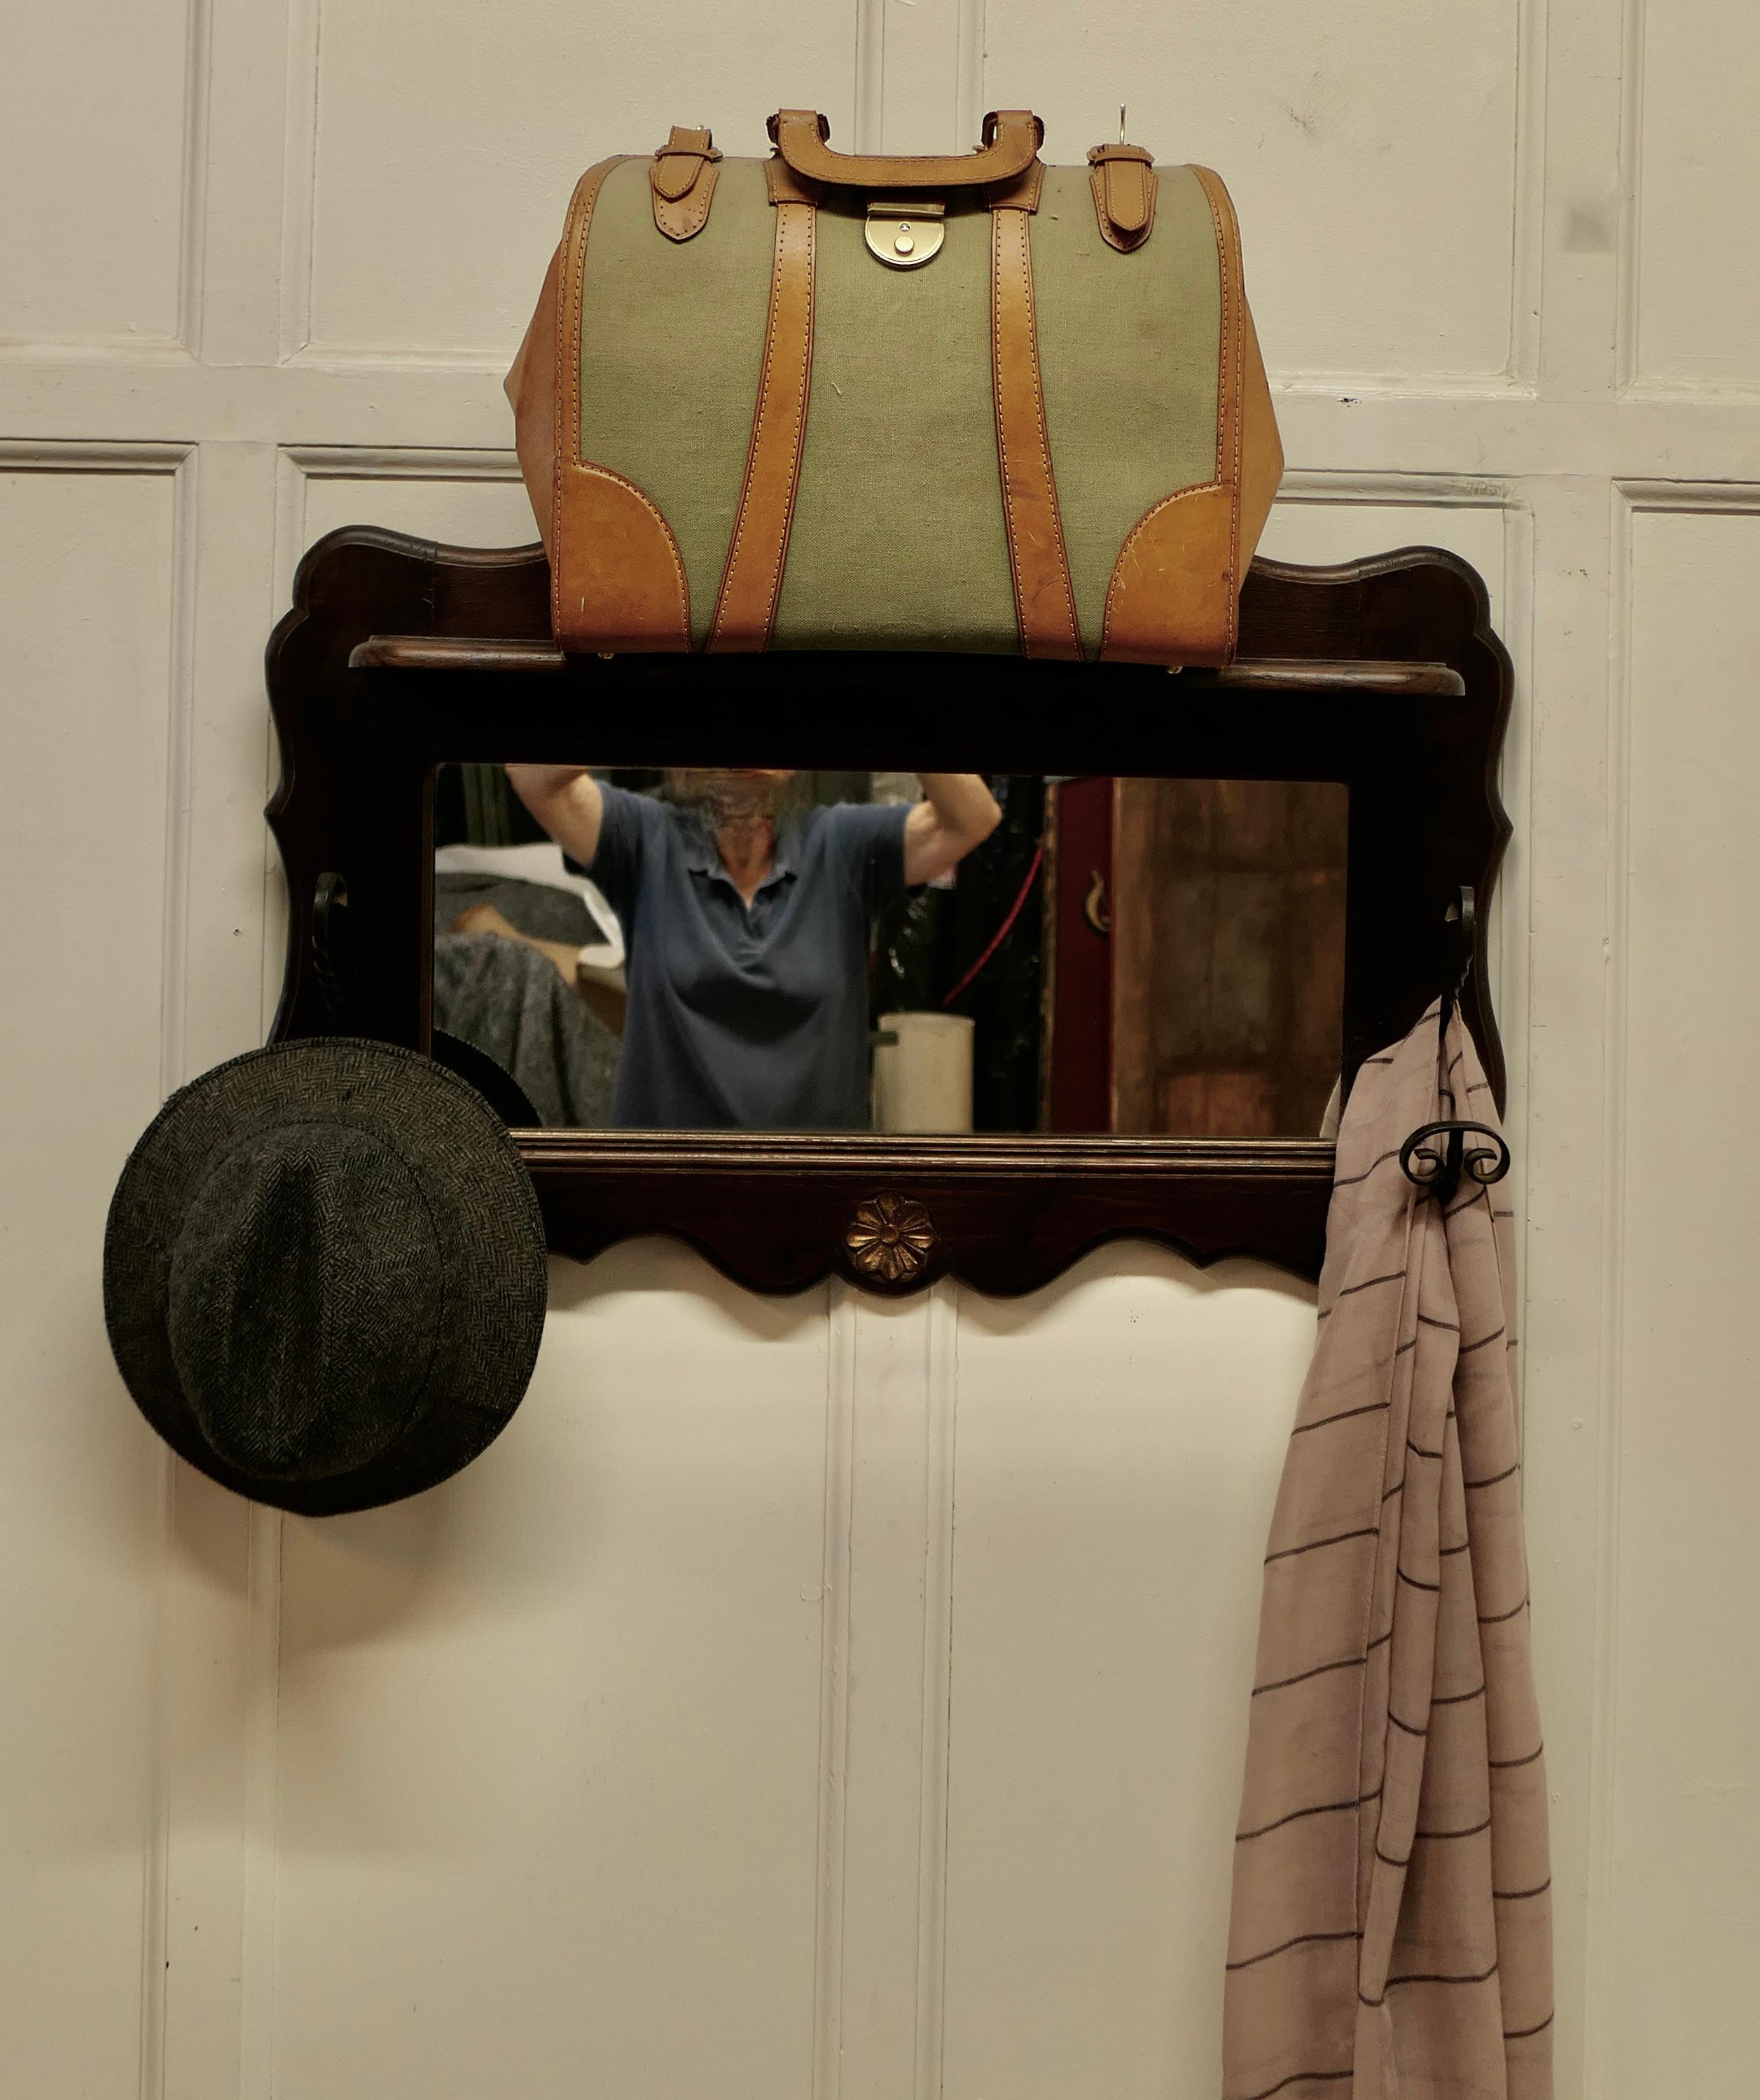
329, 904
1435, 1158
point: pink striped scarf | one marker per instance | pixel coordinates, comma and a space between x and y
1391, 1937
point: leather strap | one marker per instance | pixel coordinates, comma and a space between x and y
1124, 185
1231, 371
572, 256
1012, 139
1044, 604
785, 187
617, 580
1175, 592
745, 612
682, 178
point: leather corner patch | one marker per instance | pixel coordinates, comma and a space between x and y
620, 582
1172, 597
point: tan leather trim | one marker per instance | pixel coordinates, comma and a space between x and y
1261, 448
1172, 598
1020, 192
1232, 343
616, 578
1123, 180
1011, 144
619, 582
783, 185
1175, 592
683, 179
676, 163
531, 386
745, 611
1044, 604
565, 363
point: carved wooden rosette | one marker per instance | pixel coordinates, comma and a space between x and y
890, 1237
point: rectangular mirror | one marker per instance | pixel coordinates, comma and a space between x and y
1249, 882
775, 950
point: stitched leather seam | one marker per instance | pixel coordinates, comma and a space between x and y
697, 216
683, 225
760, 418
763, 419
684, 143
1222, 330
1137, 531
798, 139
1044, 434
1110, 203
810, 222
809, 237
765, 395
654, 510
1002, 427
1231, 362
998, 262
568, 395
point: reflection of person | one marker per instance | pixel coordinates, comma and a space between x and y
746, 932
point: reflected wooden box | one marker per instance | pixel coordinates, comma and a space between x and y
1194, 937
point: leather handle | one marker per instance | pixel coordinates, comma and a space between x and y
1011, 140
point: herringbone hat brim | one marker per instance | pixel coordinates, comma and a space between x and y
425, 1274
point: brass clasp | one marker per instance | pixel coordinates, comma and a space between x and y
904, 232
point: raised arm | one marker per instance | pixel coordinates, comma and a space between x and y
957, 813
566, 801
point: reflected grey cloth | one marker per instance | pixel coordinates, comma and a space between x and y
538, 909
1391, 1931
747, 1018
511, 1002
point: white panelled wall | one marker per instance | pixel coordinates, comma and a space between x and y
687, 1745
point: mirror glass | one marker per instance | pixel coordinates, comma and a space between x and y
764, 950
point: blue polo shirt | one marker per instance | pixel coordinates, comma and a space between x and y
746, 1018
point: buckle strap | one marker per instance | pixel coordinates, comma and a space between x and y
1123, 181
681, 177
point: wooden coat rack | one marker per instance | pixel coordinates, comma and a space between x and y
400, 655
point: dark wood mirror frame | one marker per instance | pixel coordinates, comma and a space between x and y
400, 655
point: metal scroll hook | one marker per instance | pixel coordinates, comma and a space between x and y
1436, 1157
329, 907
1462, 915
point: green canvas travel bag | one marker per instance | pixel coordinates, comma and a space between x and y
846, 401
